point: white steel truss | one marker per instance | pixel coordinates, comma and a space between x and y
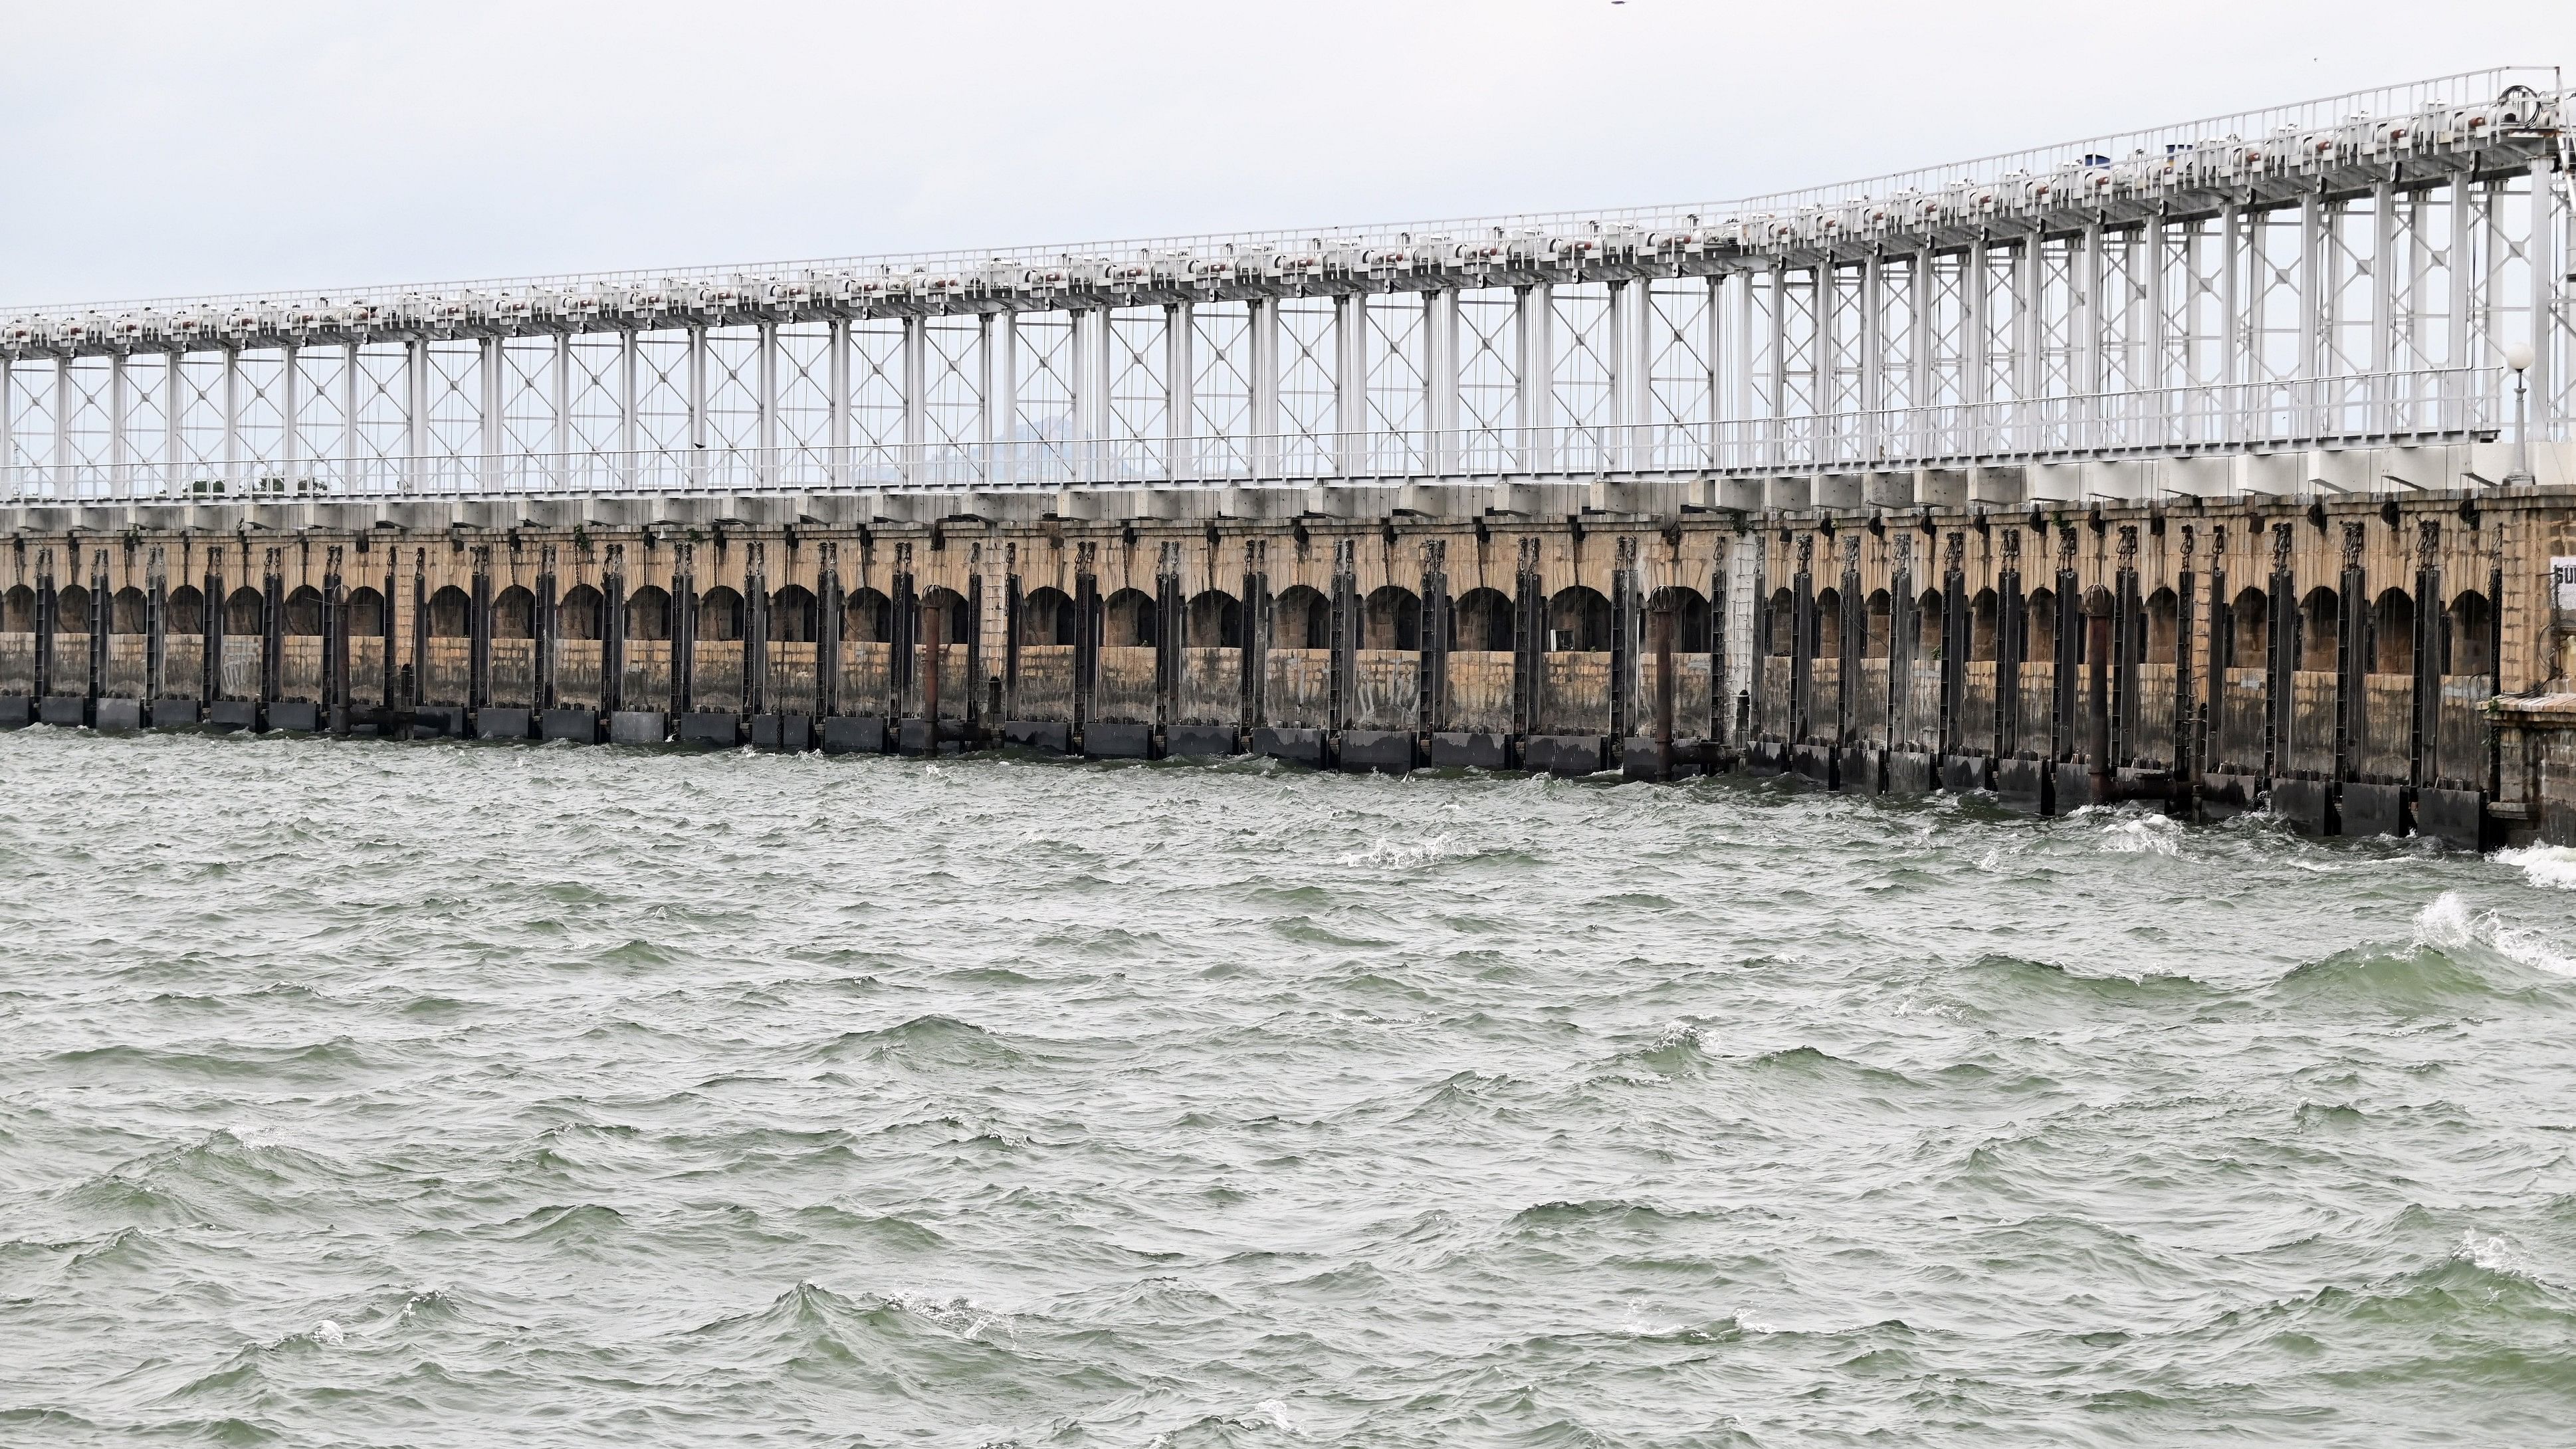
2347, 271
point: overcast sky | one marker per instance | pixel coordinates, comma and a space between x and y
149, 149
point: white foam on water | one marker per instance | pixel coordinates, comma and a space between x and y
1276, 1411
2449, 925
2543, 865
2143, 835
328, 1333
1404, 854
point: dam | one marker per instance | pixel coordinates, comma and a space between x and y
2221, 468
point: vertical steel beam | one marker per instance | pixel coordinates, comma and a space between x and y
290, 450
1262, 317
1180, 365
2547, 270
415, 410
349, 430
629, 443
8, 426
1350, 379
1922, 287
490, 402
1873, 355
559, 436
1538, 375
1002, 399
836, 425
2457, 257
1779, 375
916, 394
1712, 406
1440, 363
174, 438
233, 479
62, 472
765, 421
118, 453
697, 403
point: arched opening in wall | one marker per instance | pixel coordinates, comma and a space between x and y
71, 610
2392, 622
366, 610
2039, 626
1829, 624
1483, 621
648, 614
1981, 625
1214, 621
514, 614
950, 607
2472, 650
303, 613
1784, 623
1391, 618
125, 612
245, 612
2250, 630
2164, 626
1578, 618
1046, 617
719, 615
2320, 627
18, 610
1301, 618
1691, 622
791, 615
1927, 625
576, 614
1127, 620
1881, 643
864, 616
187, 610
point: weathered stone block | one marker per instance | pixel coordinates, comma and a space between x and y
1390, 751
2025, 785
2224, 793
1037, 734
1859, 770
232, 714
165, 713
713, 729
2071, 787
1112, 740
637, 727
1766, 757
789, 732
1303, 747
1965, 772
1193, 740
1562, 754
299, 716
578, 725
438, 722
62, 709
119, 716
16, 710
2308, 805
1909, 772
2457, 818
853, 735
1814, 763
1471, 750
2366, 810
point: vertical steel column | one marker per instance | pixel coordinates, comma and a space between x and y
559, 435
697, 402
1977, 339
232, 421
8, 429
765, 382
1614, 362
2547, 269
1440, 378
2383, 301
1350, 379
2085, 319
1537, 381
415, 411
487, 472
349, 430
2027, 373
1002, 399
1712, 407
1825, 363
1779, 402
836, 426
2312, 308
290, 450
1180, 328
629, 349
174, 439
61, 471
117, 406
1263, 425
1921, 287
2231, 321
1873, 357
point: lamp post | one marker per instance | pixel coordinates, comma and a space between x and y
2518, 357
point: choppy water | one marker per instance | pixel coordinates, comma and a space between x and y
358, 1093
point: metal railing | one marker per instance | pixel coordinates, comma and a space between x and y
2346, 411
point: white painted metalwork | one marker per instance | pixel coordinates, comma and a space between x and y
2344, 272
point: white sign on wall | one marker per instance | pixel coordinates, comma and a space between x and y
2562, 579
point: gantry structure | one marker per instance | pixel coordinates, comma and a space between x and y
2373, 270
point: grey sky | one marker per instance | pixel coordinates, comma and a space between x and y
150, 149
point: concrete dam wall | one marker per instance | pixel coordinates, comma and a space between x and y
2359, 667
